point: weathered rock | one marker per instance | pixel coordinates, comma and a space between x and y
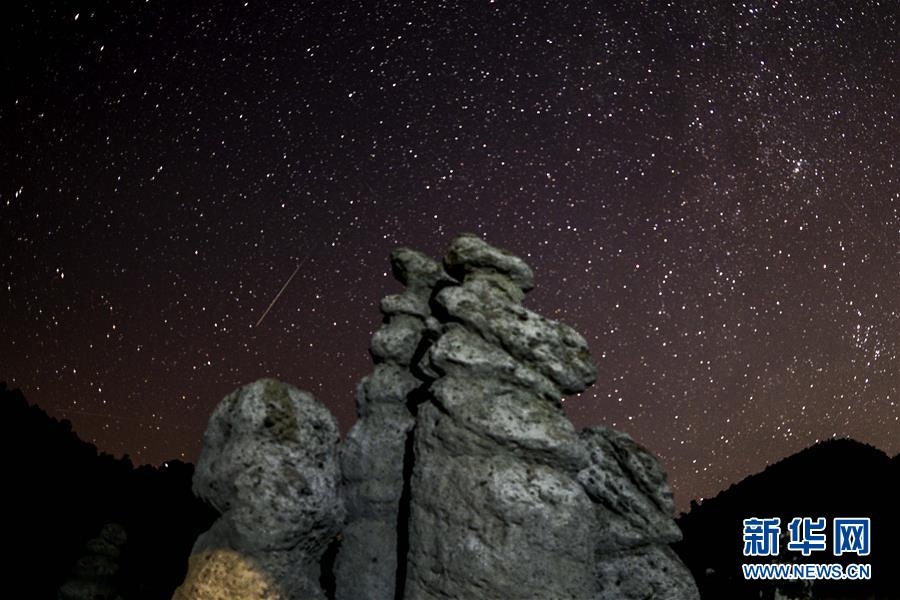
417, 272
469, 254
464, 352
496, 508
633, 509
487, 521
649, 572
372, 460
635, 504
462, 477
375, 452
397, 340
269, 464
494, 417
507, 500
550, 348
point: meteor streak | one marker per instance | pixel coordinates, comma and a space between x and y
278, 295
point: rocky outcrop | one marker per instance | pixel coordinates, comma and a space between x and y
500, 496
373, 455
633, 508
93, 576
496, 509
463, 477
269, 464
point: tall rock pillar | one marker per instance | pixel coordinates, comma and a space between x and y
378, 447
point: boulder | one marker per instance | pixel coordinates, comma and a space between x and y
269, 464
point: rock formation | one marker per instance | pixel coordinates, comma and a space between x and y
373, 455
633, 509
507, 500
93, 577
463, 477
269, 464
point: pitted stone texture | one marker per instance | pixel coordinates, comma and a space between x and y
550, 348
647, 572
375, 452
369, 571
416, 271
460, 352
372, 463
489, 525
635, 504
289, 574
403, 304
496, 508
388, 384
269, 465
507, 501
494, 418
397, 340
470, 254
372, 460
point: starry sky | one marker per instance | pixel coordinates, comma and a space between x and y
707, 191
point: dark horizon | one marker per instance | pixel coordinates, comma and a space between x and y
681, 509
707, 192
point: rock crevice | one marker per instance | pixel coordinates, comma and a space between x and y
376, 456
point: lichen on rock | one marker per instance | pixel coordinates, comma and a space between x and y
221, 573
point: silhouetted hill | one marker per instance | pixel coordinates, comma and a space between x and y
60, 492
835, 478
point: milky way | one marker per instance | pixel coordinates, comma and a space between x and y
707, 191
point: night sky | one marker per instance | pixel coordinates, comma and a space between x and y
707, 191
